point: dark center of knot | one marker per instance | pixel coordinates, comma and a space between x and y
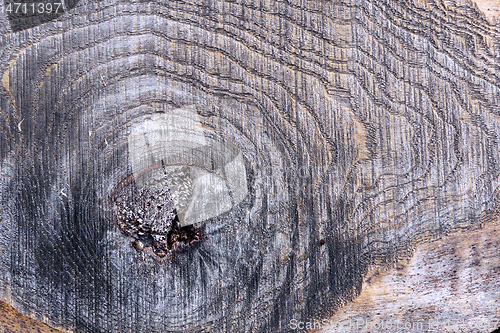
148, 215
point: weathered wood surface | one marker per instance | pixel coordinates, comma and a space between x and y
490, 8
366, 127
13, 321
449, 285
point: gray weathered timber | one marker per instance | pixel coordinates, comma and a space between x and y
365, 127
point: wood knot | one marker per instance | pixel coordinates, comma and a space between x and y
148, 215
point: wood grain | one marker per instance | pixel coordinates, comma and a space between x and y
366, 127
490, 8
450, 285
13, 321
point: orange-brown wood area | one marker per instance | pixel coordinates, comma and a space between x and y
12, 321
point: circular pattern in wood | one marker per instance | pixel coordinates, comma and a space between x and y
364, 128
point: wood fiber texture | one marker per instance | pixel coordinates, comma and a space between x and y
490, 8
12, 321
449, 285
366, 127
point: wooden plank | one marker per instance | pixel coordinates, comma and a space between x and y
366, 128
